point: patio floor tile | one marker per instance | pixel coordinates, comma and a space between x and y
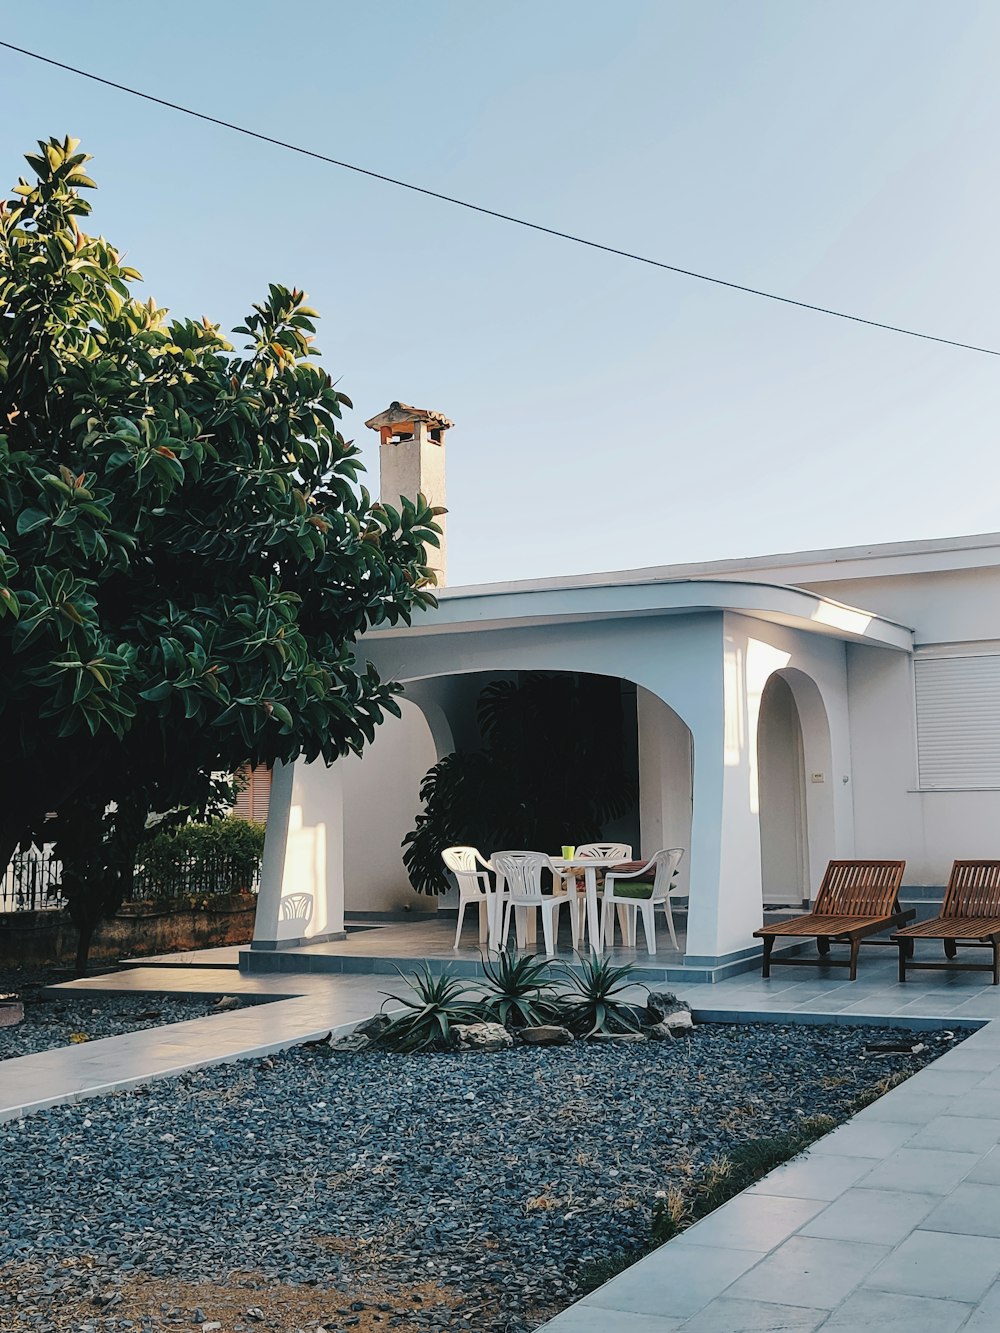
816, 1274
821, 1177
958, 1133
986, 1316
730, 1315
885, 1313
979, 1102
752, 1222
934, 1263
909, 1105
584, 1318
882, 1217
972, 1210
671, 1282
921, 1171
987, 1169
869, 1138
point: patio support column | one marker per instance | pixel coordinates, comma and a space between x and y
725, 891
301, 899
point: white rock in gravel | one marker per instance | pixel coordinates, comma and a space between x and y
545, 1035
679, 1022
480, 1037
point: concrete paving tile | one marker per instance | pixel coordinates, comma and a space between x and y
751, 1222
902, 1104
980, 1103
958, 1133
814, 1177
879, 1311
670, 1282
934, 1263
817, 1274
988, 1035
987, 1169
584, 1318
869, 1138
986, 1316
970, 1209
729, 1315
883, 1217
945, 1082
920, 1171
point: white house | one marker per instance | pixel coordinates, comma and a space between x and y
787, 710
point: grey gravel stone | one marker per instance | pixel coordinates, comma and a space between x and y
506, 1199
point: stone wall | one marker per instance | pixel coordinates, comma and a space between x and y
138, 929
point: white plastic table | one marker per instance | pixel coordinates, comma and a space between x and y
590, 865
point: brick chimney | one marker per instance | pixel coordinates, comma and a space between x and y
411, 460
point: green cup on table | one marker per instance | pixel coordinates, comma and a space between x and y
568, 853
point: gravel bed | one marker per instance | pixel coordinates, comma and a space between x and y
62, 1020
488, 1182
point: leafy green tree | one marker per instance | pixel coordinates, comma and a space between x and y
186, 556
552, 769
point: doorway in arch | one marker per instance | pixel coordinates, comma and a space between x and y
784, 836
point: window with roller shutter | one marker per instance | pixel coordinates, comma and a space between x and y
253, 801
958, 722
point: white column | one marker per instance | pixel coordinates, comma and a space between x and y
301, 896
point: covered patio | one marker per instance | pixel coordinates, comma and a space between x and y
742, 755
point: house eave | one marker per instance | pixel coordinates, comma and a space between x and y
500, 606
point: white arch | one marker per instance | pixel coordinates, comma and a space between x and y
818, 776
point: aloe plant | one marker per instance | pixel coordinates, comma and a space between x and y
519, 991
591, 1006
435, 1004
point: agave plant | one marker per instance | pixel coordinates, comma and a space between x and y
591, 1006
435, 1003
518, 991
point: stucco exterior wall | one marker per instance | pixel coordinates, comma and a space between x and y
381, 802
950, 606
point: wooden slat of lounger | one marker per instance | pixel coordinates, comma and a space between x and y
813, 924
941, 928
973, 890
859, 888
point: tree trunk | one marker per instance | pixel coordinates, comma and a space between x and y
84, 938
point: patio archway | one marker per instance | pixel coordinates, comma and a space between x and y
795, 787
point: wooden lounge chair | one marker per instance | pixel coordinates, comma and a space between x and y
855, 900
970, 914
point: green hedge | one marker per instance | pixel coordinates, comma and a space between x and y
199, 860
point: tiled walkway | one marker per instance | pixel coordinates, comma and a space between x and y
308, 1009
892, 1222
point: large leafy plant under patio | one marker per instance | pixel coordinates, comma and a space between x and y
552, 766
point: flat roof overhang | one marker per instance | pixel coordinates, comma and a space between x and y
507, 606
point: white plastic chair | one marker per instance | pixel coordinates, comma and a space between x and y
522, 875
296, 907
473, 887
665, 863
622, 851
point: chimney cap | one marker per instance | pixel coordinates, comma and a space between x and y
397, 412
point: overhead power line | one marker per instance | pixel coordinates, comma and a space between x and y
492, 212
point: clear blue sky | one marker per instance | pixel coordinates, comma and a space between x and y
607, 415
